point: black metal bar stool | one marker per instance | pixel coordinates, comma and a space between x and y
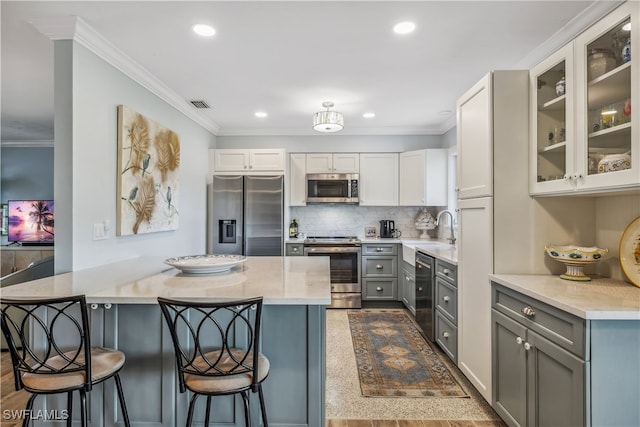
216, 349
60, 362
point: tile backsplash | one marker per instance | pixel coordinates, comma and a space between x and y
347, 220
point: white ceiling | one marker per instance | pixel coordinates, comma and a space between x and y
287, 57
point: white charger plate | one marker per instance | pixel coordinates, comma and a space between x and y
629, 251
205, 264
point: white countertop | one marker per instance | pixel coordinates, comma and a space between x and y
599, 299
280, 280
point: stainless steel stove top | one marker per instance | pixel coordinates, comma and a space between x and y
332, 239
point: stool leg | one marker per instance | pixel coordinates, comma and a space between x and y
69, 408
83, 408
123, 405
263, 409
247, 416
192, 404
206, 416
27, 414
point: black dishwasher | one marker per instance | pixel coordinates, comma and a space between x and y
425, 311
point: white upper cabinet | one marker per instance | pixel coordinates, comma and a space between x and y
475, 140
423, 178
249, 160
586, 141
378, 184
552, 141
297, 179
607, 85
333, 163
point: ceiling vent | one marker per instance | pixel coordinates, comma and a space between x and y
199, 104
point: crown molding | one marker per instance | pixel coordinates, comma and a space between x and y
351, 131
569, 31
26, 144
74, 28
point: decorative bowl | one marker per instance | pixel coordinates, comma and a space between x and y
575, 258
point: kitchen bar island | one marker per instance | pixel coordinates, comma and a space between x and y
124, 315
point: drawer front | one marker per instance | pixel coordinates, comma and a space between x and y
447, 271
380, 267
447, 300
294, 249
560, 327
447, 336
377, 289
380, 249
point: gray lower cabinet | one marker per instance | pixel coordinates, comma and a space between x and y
446, 308
294, 249
551, 368
380, 272
294, 390
408, 280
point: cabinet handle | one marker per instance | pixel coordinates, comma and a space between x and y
379, 288
528, 311
445, 334
445, 298
379, 267
446, 271
94, 306
519, 341
107, 306
527, 346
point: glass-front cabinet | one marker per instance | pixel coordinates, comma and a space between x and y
553, 127
584, 135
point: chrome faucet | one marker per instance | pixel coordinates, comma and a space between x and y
451, 239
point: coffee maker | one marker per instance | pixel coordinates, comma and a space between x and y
387, 228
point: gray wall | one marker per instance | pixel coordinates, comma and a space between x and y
87, 93
449, 139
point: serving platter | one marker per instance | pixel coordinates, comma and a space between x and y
629, 251
205, 264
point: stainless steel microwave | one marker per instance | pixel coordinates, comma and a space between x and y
332, 188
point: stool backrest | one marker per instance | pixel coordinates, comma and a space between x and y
214, 339
47, 336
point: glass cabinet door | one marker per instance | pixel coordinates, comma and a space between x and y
607, 84
552, 126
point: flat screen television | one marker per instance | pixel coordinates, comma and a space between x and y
30, 222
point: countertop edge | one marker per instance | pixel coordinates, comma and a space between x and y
511, 282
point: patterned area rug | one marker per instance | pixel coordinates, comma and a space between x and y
394, 360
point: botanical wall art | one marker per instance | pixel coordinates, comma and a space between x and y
148, 171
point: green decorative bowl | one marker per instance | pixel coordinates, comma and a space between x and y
575, 258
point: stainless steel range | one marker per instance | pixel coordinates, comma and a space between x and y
344, 261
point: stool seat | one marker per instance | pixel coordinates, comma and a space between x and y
104, 363
227, 383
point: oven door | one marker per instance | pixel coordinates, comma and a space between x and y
344, 262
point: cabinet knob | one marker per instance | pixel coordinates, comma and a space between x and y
457, 190
528, 311
577, 176
378, 249
379, 288
445, 298
567, 177
107, 306
295, 249
527, 346
94, 306
379, 267
250, 166
419, 266
445, 334
419, 289
519, 341
446, 271
245, 166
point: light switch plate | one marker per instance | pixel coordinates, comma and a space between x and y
99, 231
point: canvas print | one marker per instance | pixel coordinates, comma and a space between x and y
148, 172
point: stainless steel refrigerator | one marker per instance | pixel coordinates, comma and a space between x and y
247, 215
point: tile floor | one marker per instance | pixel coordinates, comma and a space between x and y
346, 407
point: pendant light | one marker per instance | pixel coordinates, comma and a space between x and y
328, 121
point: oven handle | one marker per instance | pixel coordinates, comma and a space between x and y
330, 250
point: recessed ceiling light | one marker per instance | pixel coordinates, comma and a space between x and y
369, 115
445, 112
627, 26
404, 27
204, 30
260, 114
